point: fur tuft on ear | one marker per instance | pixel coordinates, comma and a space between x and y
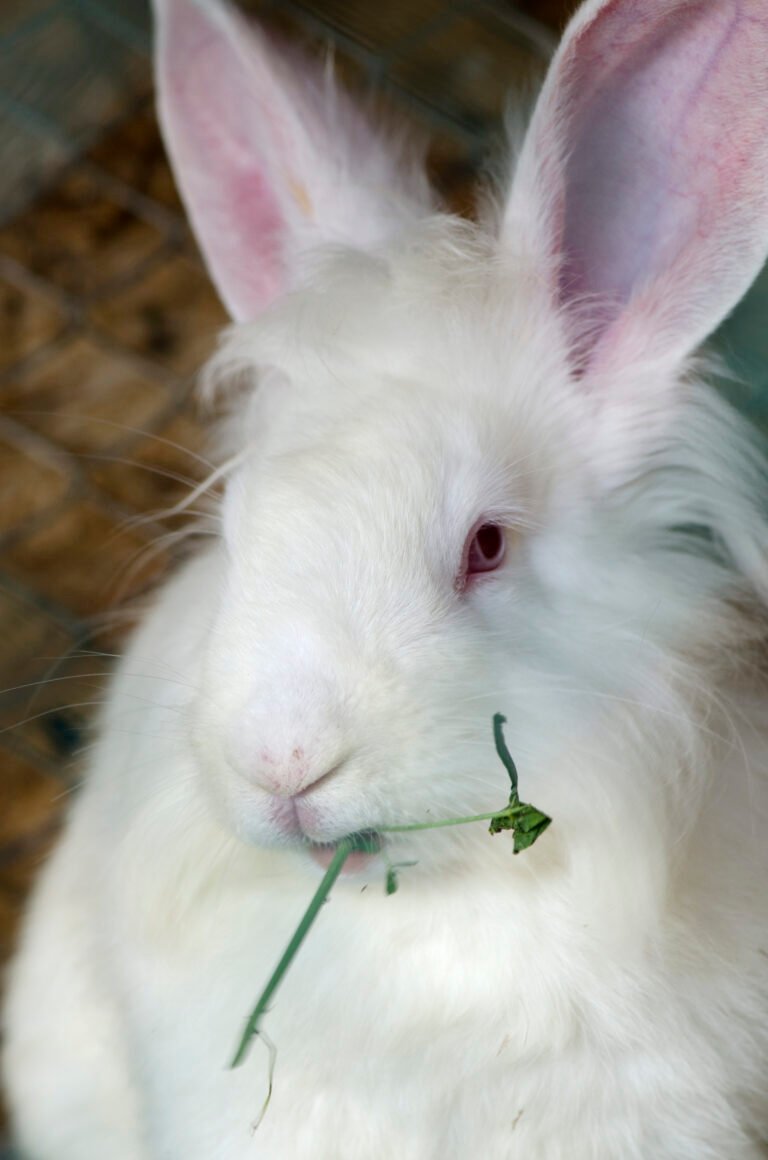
643, 180
270, 158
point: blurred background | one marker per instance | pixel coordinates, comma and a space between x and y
106, 313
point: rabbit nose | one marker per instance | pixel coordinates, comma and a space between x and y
287, 741
291, 774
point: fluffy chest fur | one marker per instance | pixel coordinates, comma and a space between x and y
524, 1005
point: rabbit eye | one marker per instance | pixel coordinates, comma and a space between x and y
483, 552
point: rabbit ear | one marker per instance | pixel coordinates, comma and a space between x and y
270, 159
648, 149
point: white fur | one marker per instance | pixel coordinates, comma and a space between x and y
603, 996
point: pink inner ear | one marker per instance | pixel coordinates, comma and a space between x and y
260, 224
638, 152
664, 164
271, 160
215, 128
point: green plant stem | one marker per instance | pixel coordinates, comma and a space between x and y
505, 757
525, 822
343, 850
440, 825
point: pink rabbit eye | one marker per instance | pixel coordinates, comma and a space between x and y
483, 552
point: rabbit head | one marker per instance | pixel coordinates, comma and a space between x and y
478, 468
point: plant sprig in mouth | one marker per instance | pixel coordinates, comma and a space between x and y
526, 822
365, 842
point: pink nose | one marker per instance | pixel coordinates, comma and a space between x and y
287, 774
293, 727
286, 742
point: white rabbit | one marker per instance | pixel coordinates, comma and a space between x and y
481, 472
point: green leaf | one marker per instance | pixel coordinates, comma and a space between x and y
531, 824
505, 819
392, 869
525, 821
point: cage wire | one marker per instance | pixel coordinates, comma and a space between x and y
69, 68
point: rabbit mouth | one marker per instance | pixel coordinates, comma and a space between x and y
367, 844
